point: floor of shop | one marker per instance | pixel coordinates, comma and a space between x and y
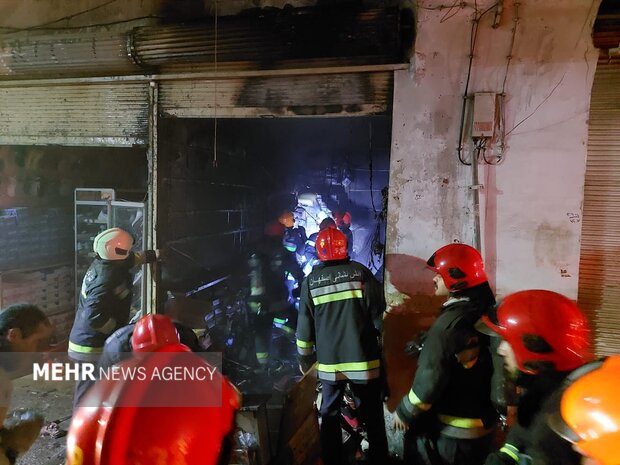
54, 400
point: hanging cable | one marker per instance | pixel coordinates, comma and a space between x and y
372, 197
502, 112
472, 47
472, 44
215, 90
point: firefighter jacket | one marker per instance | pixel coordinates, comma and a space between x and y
269, 269
530, 440
339, 302
453, 388
104, 303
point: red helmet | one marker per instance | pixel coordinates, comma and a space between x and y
542, 326
153, 332
459, 265
331, 244
113, 433
342, 219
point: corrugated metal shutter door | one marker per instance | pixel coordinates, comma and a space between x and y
104, 114
347, 94
599, 269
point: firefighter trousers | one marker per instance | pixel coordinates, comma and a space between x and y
439, 449
369, 406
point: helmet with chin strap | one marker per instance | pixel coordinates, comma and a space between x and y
459, 265
542, 328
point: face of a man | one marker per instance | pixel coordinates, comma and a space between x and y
440, 286
37, 341
510, 361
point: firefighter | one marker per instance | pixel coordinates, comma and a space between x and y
588, 414
545, 336
343, 222
341, 302
105, 296
269, 298
310, 257
448, 411
25, 329
119, 430
293, 238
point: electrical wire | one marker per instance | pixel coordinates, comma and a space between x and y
371, 240
472, 46
512, 43
585, 23
472, 43
537, 106
375, 238
447, 14
372, 196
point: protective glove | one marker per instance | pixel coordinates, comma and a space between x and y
21, 429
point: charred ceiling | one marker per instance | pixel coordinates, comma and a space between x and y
254, 40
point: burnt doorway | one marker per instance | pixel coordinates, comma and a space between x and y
218, 195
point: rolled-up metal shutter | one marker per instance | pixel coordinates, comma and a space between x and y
103, 114
599, 269
346, 94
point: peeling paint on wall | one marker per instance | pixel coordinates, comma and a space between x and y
525, 237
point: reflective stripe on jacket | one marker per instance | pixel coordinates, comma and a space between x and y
104, 302
459, 393
339, 302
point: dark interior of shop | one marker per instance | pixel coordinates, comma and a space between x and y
218, 205
220, 201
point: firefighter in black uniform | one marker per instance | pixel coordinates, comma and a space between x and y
294, 237
340, 305
448, 411
269, 298
545, 336
105, 296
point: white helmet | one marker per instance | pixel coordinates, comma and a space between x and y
113, 244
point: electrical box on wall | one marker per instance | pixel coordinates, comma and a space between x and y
483, 125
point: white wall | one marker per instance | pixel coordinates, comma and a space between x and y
531, 203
